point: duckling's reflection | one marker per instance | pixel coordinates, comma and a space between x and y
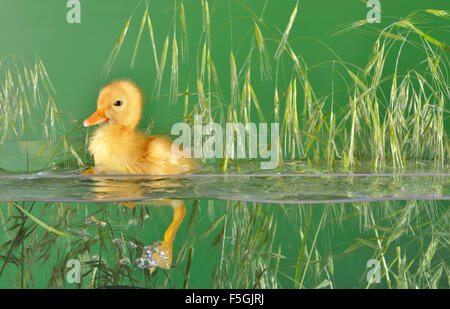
134, 191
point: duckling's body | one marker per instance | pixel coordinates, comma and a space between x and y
118, 148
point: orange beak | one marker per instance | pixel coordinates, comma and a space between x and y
97, 117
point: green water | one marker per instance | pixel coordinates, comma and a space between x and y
305, 224
230, 244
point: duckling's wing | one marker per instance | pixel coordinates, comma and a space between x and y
162, 160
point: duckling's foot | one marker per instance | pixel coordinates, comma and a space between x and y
128, 204
89, 171
160, 254
157, 255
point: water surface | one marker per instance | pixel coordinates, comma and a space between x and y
294, 182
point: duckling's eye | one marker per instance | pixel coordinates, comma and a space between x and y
117, 103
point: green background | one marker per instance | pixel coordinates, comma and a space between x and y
75, 55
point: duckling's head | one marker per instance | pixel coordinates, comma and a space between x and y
119, 102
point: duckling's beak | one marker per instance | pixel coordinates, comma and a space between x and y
96, 118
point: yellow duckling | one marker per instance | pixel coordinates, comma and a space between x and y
118, 148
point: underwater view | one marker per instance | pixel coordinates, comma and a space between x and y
224, 144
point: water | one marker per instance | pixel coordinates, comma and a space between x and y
294, 183
246, 218
300, 225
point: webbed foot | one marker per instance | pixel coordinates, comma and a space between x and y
157, 255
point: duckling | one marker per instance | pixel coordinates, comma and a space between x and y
118, 148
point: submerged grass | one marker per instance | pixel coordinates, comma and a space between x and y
410, 240
389, 118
